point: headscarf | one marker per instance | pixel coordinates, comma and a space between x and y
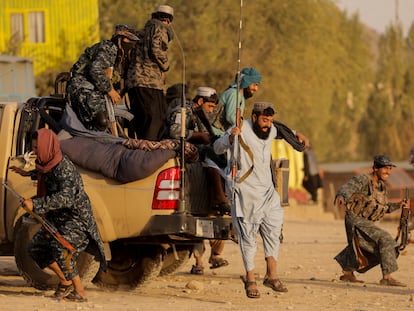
248, 76
48, 156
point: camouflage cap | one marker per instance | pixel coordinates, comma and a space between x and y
260, 106
126, 31
382, 160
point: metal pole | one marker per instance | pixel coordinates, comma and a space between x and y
182, 202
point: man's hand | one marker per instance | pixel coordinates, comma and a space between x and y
235, 131
114, 95
339, 201
28, 203
303, 139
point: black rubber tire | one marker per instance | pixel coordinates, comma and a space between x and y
172, 264
130, 267
45, 279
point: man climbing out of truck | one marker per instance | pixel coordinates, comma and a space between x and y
199, 132
65, 204
93, 77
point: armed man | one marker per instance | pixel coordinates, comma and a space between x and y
366, 202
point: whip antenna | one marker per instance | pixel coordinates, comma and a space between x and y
182, 204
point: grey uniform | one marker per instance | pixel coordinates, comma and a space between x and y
68, 208
376, 244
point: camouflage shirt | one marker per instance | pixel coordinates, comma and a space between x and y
151, 60
89, 71
193, 123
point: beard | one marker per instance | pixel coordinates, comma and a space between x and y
247, 93
259, 131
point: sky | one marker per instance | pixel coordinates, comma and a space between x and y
378, 14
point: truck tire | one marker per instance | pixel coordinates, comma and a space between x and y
172, 264
131, 266
45, 279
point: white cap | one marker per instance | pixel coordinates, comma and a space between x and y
206, 91
165, 9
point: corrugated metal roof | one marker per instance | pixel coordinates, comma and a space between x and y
14, 59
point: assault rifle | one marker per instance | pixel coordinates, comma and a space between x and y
48, 226
403, 230
109, 105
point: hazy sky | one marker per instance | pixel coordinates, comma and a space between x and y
380, 13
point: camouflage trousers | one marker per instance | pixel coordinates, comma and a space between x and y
376, 244
45, 250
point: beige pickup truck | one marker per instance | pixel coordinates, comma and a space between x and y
142, 241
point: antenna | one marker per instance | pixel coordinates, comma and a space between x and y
182, 203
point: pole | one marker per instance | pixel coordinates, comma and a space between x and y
182, 202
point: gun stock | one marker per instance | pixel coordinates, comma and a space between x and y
48, 226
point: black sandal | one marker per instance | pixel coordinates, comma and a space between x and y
63, 290
75, 297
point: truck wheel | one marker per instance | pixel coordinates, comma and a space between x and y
172, 264
130, 267
45, 279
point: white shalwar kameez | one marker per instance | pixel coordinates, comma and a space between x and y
256, 204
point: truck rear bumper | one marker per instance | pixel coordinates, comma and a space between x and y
220, 228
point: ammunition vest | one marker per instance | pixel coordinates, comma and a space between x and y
371, 206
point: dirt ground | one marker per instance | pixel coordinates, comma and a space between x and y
306, 266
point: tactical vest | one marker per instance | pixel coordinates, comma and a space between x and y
371, 206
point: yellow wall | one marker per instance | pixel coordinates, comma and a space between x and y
282, 149
70, 25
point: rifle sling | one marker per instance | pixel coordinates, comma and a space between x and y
250, 153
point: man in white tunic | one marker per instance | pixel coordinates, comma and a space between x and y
255, 202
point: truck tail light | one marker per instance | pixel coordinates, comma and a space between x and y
167, 189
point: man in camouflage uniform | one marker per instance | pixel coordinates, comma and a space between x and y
63, 201
146, 76
94, 75
365, 199
199, 132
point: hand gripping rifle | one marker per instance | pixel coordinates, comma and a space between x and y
403, 230
48, 226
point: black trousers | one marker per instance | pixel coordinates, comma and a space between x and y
149, 108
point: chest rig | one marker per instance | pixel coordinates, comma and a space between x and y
371, 206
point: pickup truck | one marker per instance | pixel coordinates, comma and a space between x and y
141, 240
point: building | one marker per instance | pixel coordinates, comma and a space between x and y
48, 31
16, 78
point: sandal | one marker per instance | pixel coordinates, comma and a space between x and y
392, 282
250, 292
275, 284
197, 270
217, 262
62, 291
350, 278
75, 297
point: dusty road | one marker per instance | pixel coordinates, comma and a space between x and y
306, 266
